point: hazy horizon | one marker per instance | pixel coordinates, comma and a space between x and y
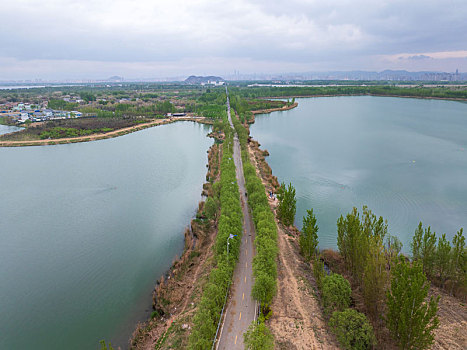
71, 40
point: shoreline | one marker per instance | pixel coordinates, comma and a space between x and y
100, 136
368, 94
180, 283
278, 109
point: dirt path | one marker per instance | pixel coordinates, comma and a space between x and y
297, 322
452, 331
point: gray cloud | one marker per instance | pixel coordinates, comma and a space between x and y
300, 34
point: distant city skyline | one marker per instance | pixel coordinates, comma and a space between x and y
147, 39
387, 75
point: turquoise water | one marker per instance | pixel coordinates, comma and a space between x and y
404, 158
86, 230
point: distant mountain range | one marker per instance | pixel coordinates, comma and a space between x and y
193, 79
115, 78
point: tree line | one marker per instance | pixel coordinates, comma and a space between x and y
394, 289
286, 91
264, 262
226, 251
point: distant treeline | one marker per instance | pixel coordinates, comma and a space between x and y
425, 92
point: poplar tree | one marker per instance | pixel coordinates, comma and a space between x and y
393, 248
424, 248
428, 251
349, 238
443, 258
375, 277
309, 235
417, 242
287, 204
410, 319
459, 259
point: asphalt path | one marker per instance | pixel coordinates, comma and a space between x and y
241, 307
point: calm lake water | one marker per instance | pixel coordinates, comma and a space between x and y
6, 129
86, 229
406, 159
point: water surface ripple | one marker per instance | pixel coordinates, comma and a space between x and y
404, 158
86, 229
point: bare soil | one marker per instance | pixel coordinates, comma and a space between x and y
452, 331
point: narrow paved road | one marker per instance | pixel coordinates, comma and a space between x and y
241, 309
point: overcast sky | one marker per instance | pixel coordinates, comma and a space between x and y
71, 39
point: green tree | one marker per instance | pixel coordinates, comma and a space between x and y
258, 337
210, 207
428, 251
309, 236
393, 248
375, 277
104, 346
336, 292
424, 248
417, 240
318, 272
409, 318
87, 96
264, 288
443, 258
353, 237
459, 259
287, 204
352, 329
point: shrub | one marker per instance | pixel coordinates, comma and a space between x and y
210, 207
258, 337
352, 329
336, 292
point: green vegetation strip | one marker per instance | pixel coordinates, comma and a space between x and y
59, 132
286, 91
226, 252
264, 262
